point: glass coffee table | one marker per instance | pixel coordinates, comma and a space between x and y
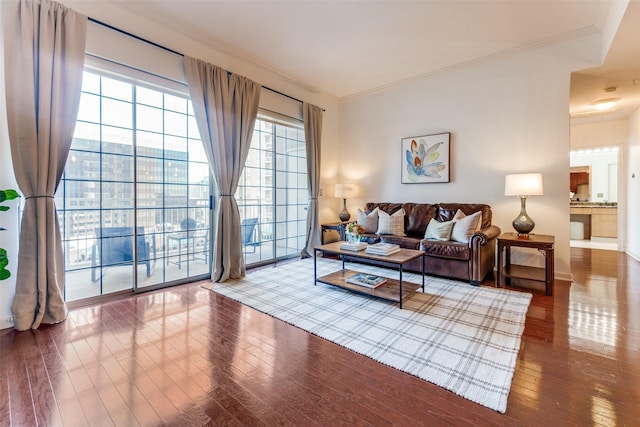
395, 290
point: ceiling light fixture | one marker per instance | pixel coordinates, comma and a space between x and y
605, 104
593, 112
590, 151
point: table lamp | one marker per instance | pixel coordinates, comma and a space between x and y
523, 185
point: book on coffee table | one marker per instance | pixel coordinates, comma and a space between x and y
367, 280
356, 246
383, 249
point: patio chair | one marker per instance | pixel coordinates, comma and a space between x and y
249, 233
114, 246
189, 236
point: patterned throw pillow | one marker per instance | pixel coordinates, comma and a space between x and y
369, 222
438, 230
391, 224
459, 215
465, 226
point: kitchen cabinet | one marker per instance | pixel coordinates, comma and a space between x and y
598, 221
577, 178
604, 222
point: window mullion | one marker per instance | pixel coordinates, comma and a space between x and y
135, 185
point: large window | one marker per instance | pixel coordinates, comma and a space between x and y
272, 194
136, 163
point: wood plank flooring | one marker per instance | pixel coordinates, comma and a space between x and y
186, 356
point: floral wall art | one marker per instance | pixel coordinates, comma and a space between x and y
425, 159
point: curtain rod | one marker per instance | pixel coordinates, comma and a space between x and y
111, 27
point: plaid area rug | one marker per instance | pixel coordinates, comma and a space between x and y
463, 338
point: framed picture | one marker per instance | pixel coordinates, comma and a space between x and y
425, 159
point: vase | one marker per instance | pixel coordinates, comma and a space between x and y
353, 238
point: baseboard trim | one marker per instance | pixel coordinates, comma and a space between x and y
567, 277
6, 323
632, 255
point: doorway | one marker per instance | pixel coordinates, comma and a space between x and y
594, 198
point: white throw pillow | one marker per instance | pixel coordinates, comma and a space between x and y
438, 230
391, 224
369, 222
459, 215
463, 228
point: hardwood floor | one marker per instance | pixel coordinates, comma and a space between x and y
186, 356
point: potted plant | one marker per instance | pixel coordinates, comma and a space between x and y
4, 260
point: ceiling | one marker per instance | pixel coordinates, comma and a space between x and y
346, 48
620, 71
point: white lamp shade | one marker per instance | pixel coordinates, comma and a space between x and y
523, 184
344, 191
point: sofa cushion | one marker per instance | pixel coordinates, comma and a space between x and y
464, 226
450, 249
368, 221
418, 216
439, 230
391, 224
446, 212
403, 242
389, 208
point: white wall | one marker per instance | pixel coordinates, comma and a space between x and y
599, 134
506, 116
632, 180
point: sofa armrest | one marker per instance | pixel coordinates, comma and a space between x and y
482, 237
482, 253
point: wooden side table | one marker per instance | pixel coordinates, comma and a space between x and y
542, 243
340, 227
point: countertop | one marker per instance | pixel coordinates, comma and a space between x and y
593, 205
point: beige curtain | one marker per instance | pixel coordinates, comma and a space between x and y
225, 106
313, 135
44, 58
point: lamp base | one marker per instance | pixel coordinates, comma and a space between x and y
523, 223
344, 215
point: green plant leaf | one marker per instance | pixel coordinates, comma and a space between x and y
8, 195
4, 260
11, 194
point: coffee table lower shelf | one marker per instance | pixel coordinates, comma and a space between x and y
389, 291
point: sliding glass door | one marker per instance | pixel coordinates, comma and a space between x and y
134, 201
272, 195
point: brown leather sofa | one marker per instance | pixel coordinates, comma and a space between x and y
471, 261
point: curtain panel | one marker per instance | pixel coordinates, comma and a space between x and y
44, 59
313, 136
225, 107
